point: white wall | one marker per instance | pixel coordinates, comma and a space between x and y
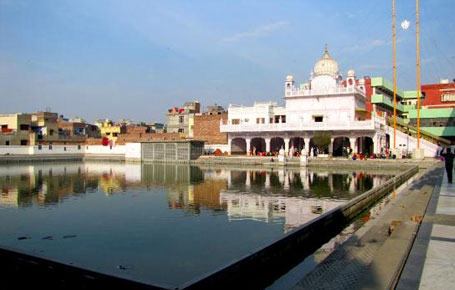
133, 151
334, 108
105, 150
56, 149
15, 150
410, 143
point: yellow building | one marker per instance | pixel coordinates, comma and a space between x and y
110, 130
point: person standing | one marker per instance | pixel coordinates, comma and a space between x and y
448, 156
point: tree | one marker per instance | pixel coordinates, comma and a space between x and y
321, 139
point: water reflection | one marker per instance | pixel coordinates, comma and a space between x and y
168, 223
291, 197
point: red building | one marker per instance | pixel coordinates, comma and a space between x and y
440, 95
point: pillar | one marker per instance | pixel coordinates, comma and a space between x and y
229, 146
267, 144
307, 145
248, 145
331, 146
353, 145
286, 146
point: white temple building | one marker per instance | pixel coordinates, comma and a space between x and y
326, 105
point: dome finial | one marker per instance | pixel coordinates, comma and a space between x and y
326, 50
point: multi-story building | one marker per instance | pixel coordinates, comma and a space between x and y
45, 126
42, 128
181, 120
157, 127
75, 128
437, 114
325, 106
214, 110
110, 130
325, 115
15, 129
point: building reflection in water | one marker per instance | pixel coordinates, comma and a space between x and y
291, 197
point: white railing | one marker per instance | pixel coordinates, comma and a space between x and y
311, 126
327, 91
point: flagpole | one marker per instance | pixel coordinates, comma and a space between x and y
418, 72
394, 77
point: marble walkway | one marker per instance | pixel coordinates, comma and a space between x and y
431, 263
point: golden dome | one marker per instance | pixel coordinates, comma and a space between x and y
326, 65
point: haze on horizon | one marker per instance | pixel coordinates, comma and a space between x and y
136, 59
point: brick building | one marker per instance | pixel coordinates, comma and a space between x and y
207, 127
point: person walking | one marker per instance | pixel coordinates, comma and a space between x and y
448, 156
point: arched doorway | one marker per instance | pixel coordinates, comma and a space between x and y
316, 149
257, 146
365, 145
276, 144
238, 146
298, 143
340, 146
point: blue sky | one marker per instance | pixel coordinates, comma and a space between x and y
135, 59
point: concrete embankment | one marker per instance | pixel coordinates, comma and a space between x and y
9, 159
331, 163
374, 256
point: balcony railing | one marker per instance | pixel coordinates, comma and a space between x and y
372, 124
296, 92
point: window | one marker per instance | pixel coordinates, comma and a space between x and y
40, 147
4, 127
260, 120
24, 127
7, 142
24, 142
235, 121
318, 118
79, 147
181, 130
247, 120
283, 119
115, 134
448, 98
50, 146
181, 119
51, 132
